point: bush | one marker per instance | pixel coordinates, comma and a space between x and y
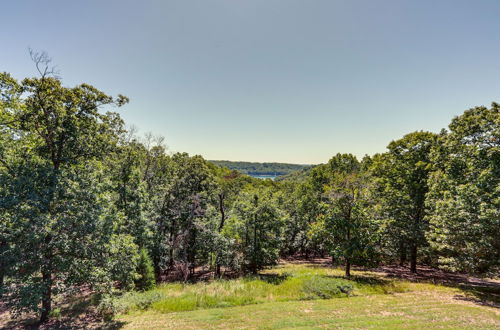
122, 259
106, 307
326, 288
55, 313
145, 270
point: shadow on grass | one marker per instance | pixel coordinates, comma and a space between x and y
481, 295
69, 324
476, 290
364, 279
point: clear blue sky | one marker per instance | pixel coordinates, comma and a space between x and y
265, 80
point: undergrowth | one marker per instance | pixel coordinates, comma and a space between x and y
284, 283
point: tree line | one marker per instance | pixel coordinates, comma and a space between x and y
84, 203
253, 168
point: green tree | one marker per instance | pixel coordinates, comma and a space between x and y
256, 226
228, 184
402, 177
145, 270
464, 196
346, 222
126, 170
50, 198
182, 202
303, 205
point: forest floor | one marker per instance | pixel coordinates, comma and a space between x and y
385, 297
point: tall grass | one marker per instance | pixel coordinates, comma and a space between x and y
285, 283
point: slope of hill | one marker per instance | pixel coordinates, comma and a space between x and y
297, 176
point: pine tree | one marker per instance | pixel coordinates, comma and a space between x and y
145, 270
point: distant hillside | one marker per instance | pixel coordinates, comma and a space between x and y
297, 176
252, 168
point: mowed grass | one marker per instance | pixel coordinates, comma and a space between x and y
402, 310
304, 295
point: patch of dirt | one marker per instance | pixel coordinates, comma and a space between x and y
78, 314
83, 321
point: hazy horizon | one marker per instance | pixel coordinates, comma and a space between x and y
269, 81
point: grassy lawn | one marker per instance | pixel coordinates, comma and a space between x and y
308, 296
294, 295
403, 310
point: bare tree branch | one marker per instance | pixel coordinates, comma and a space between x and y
42, 62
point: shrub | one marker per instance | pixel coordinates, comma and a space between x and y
326, 288
138, 300
145, 270
55, 313
106, 307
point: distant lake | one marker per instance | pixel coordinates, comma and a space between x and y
264, 176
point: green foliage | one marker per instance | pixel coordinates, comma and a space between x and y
53, 205
125, 169
145, 271
256, 226
401, 180
302, 210
180, 210
326, 288
121, 261
345, 225
296, 176
464, 195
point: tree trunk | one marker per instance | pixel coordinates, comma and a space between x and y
254, 270
222, 212
191, 252
347, 259
413, 258
333, 260
1, 282
171, 247
217, 270
221, 225
3, 264
46, 296
3, 267
402, 254
170, 258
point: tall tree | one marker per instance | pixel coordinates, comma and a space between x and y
184, 200
257, 226
464, 196
50, 194
228, 184
126, 167
346, 224
402, 175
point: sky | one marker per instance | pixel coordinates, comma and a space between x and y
269, 80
